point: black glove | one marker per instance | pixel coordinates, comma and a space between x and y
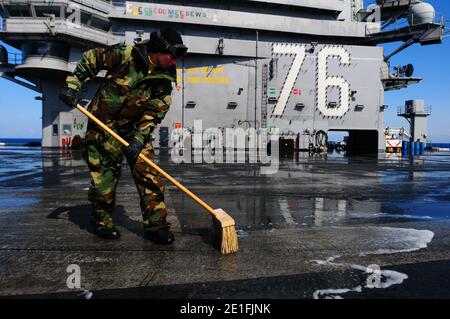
69, 96
132, 151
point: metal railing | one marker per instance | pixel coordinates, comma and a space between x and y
38, 26
410, 110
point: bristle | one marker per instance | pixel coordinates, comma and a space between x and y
225, 232
229, 240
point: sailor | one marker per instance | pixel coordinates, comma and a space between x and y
133, 100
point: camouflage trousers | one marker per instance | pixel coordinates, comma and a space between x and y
104, 158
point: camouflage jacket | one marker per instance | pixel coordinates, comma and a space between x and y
135, 95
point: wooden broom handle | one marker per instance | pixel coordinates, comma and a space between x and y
148, 161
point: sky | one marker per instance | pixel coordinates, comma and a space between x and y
432, 63
21, 113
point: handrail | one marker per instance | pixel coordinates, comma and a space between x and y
409, 110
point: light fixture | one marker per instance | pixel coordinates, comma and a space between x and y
190, 104
299, 106
232, 105
332, 105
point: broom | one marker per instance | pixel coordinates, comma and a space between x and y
225, 232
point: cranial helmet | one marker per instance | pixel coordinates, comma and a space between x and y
167, 40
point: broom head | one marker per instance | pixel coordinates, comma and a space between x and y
225, 232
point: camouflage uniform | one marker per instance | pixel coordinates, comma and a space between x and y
132, 101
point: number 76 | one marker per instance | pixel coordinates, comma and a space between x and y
323, 80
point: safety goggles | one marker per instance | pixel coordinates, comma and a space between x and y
177, 50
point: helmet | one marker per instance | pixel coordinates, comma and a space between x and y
167, 40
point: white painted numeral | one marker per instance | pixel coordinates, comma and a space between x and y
324, 81
300, 54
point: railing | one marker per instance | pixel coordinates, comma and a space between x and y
38, 26
410, 110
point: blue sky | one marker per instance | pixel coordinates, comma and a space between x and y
432, 63
21, 113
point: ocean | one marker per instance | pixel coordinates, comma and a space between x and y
443, 145
21, 141
38, 141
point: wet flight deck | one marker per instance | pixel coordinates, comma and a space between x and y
323, 226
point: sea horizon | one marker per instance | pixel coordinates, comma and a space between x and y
26, 141
21, 141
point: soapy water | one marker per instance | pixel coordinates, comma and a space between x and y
405, 240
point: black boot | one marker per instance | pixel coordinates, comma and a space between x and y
103, 231
107, 233
162, 236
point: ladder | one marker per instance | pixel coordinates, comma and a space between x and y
265, 83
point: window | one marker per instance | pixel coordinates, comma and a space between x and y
67, 129
19, 11
55, 129
43, 11
83, 16
101, 24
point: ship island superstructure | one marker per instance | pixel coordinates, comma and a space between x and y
303, 67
